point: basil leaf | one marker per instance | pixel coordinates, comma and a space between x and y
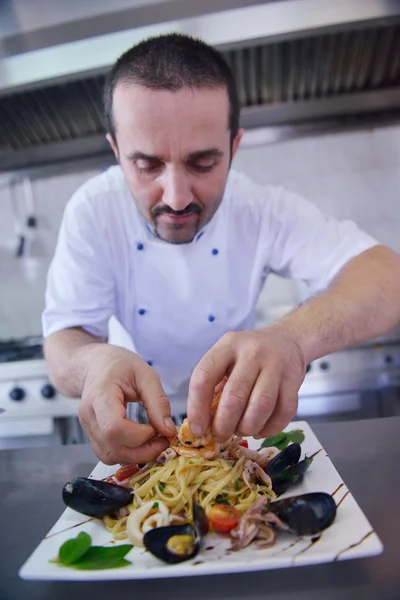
112, 564
72, 550
295, 436
274, 440
100, 557
155, 505
282, 440
283, 444
161, 486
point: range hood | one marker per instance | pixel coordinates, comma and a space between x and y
297, 62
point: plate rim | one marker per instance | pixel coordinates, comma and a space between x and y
161, 571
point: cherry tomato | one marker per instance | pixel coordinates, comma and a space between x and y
223, 518
244, 443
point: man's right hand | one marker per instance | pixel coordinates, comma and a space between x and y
116, 376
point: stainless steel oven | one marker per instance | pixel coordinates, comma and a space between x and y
32, 411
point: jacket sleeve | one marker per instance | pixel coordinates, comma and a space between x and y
304, 244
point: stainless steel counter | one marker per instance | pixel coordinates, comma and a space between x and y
366, 453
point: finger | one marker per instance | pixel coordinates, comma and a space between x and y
285, 410
208, 372
261, 405
156, 403
115, 428
122, 454
234, 399
111, 453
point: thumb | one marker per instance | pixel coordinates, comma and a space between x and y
151, 393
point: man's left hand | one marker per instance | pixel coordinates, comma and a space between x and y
266, 368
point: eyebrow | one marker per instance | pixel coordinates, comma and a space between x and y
207, 153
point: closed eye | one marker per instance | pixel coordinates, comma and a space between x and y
148, 165
202, 168
202, 165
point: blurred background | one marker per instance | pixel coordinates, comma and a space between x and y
319, 84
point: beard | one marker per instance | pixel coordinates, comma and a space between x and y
181, 232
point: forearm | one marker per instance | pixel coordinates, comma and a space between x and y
362, 303
68, 355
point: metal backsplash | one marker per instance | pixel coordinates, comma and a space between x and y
338, 73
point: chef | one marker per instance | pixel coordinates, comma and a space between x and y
174, 246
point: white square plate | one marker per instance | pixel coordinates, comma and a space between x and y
350, 536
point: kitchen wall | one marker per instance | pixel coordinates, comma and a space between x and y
22, 282
352, 175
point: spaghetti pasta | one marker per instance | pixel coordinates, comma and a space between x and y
193, 469
181, 480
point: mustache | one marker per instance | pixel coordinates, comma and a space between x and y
192, 208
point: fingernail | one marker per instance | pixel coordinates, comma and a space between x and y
170, 424
196, 429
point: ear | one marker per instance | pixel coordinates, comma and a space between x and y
236, 142
113, 145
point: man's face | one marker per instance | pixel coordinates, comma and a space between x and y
174, 149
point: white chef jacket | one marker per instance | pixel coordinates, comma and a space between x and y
173, 302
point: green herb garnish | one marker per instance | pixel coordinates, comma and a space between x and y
188, 443
295, 436
274, 440
72, 550
222, 499
78, 553
161, 486
98, 557
282, 440
155, 505
237, 485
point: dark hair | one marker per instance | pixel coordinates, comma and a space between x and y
172, 62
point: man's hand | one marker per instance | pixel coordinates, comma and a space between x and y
116, 376
266, 368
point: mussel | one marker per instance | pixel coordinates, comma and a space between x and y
286, 468
307, 514
94, 498
176, 543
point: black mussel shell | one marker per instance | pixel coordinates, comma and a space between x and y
286, 458
307, 514
177, 543
200, 520
172, 544
290, 476
94, 498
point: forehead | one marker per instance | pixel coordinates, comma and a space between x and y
161, 121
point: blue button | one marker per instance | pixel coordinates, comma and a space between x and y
141, 311
150, 362
211, 318
139, 246
215, 251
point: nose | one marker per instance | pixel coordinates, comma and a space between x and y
177, 192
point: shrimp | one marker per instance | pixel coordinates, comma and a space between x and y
203, 446
186, 444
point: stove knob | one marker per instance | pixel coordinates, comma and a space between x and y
48, 391
17, 394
